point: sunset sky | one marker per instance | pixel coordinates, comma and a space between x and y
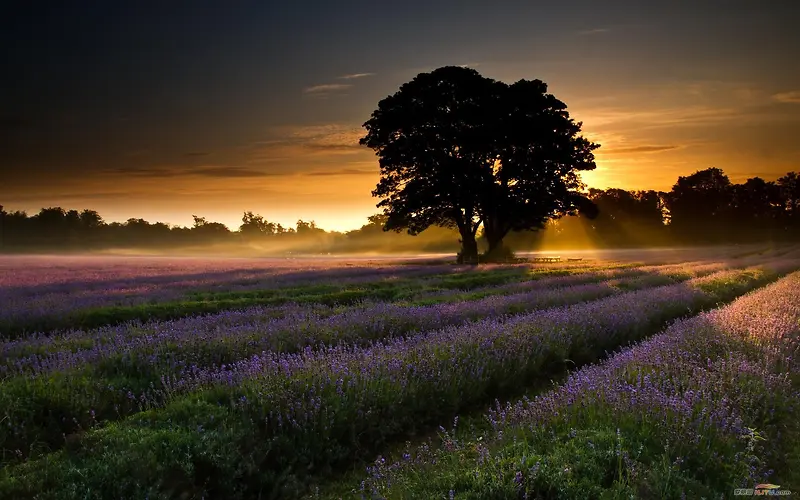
165, 109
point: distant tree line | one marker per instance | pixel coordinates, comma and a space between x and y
57, 229
702, 208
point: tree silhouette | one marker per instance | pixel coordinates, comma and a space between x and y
375, 224
789, 187
90, 219
755, 208
254, 225
699, 205
460, 150
306, 228
211, 231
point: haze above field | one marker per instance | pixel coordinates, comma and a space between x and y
159, 111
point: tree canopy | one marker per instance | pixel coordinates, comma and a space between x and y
460, 150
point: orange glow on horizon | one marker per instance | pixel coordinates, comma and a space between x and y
649, 137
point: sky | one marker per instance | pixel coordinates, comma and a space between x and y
160, 110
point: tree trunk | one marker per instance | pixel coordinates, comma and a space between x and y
496, 248
469, 249
494, 236
497, 252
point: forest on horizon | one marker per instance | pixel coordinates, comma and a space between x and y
702, 208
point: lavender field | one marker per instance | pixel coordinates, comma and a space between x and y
668, 374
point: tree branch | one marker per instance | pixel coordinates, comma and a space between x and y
477, 225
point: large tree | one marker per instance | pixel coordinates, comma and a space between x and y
460, 150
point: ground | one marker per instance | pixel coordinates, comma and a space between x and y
654, 374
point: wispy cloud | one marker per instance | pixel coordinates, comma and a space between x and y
295, 142
716, 91
326, 88
647, 148
63, 197
230, 172
343, 171
356, 75
792, 97
227, 172
216, 171
595, 31
332, 135
658, 117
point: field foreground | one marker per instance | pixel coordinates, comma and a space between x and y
248, 378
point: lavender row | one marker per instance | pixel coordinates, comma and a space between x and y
66, 273
252, 317
216, 336
578, 315
769, 318
711, 387
584, 329
86, 292
233, 335
624, 271
474, 361
44, 274
29, 310
589, 275
22, 303
123, 369
286, 412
